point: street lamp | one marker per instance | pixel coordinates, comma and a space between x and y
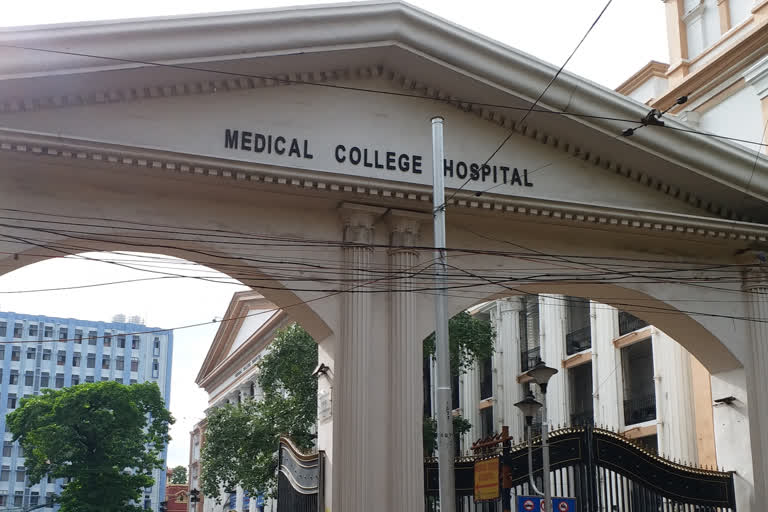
541, 374
529, 407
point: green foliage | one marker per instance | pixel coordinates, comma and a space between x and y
91, 434
470, 340
241, 440
179, 475
460, 426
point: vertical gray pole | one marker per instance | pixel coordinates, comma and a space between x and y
545, 456
445, 449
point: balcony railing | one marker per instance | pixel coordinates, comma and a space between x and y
583, 418
639, 409
529, 358
578, 340
629, 323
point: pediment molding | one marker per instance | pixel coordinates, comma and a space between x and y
411, 196
413, 87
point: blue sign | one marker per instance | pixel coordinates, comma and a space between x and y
246, 500
233, 501
534, 504
260, 500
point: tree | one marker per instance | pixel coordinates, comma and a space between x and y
105, 437
470, 339
241, 440
179, 475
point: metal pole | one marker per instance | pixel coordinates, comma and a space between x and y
545, 454
443, 409
530, 460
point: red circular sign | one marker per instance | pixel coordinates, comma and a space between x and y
563, 507
528, 505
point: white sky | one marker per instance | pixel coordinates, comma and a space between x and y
631, 33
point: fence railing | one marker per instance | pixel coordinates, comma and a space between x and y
578, 340
529, 358
639, 409
583, 418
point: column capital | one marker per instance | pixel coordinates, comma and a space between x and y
358, 221
755, 277
510, 305
405, 227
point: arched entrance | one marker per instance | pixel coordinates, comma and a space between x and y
263, 126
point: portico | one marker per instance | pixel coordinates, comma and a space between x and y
288, 148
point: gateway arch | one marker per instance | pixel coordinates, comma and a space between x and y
291, 149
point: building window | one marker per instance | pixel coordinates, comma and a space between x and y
20, 450
578, 332
486, 378
14, 377
92, 337
639, 386
135, 340
156, 346
3, 500
46, 354
34, 499
7, 447
18, 328
107, 339
119, 363
76, 357
18, 498
31, 353
63, 333
61, 358
5, 473
78, 335
44, 380
121, 341
48, 331
134, 364
2, 352
629, 323
3, 329
88, 379
33, 330
15, 353
486, 421
75, 380
59, 380
582, 408
29, 378
529, 332
11, 401
21, 473
133, 381
156, 369
105, 362
91, 361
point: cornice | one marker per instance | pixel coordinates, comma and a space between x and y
372, 189
650, 70
223, 38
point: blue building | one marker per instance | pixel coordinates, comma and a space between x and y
44, 352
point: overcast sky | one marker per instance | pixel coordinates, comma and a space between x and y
631, 33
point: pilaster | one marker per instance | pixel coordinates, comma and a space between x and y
755, 286
724, 14
352, 437
757, 77
606, 367
678, 41
552, 328
406, 404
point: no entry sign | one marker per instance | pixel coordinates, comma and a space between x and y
534, 503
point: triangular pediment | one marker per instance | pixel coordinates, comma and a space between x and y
368, 76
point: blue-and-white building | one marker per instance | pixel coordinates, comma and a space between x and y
44, 352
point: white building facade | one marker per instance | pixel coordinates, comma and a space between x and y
614, 371
40, 352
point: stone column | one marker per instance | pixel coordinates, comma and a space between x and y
508, 348
724, 13
552, 310
756, 294
352, 438
407, 402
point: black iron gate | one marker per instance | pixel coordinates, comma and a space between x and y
602, 470
299, 480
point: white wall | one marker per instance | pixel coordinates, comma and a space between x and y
653, 88
702, 21
738, 116
739, 10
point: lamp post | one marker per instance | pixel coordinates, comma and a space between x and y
529, 406
541, 374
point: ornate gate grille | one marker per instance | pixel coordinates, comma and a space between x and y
604, 471
299, 480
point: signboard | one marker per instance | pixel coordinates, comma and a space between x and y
536, 503
233, 501
487, 480
246, 500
